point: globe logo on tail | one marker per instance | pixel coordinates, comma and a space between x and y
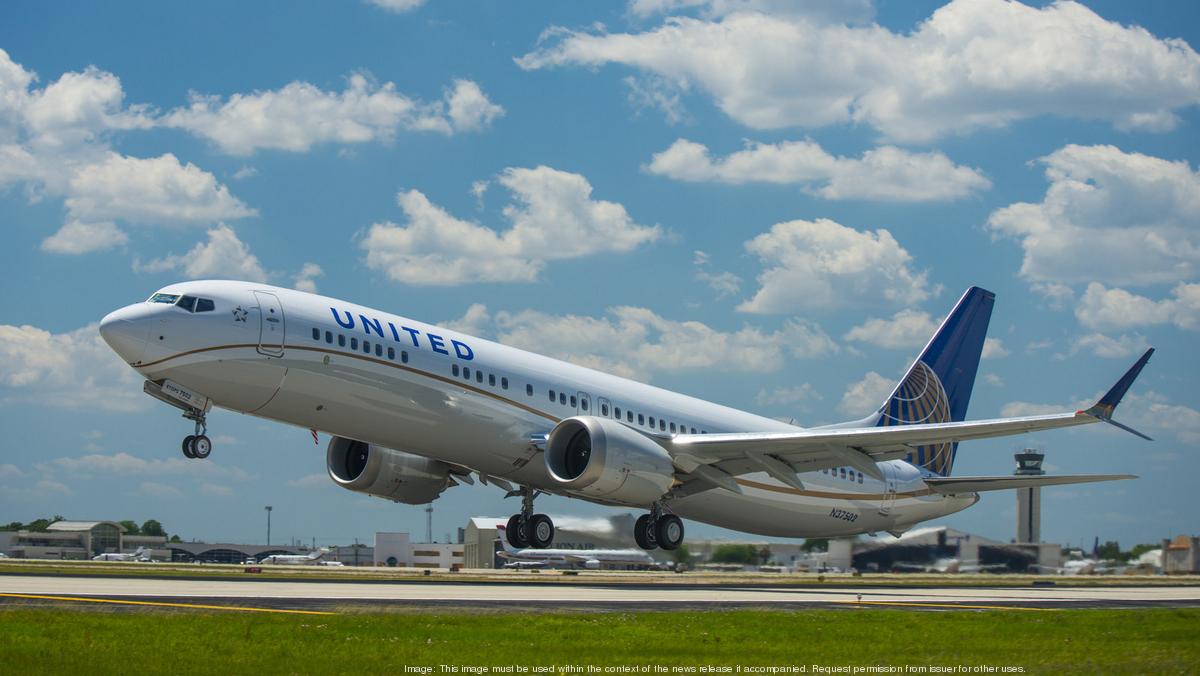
921, 399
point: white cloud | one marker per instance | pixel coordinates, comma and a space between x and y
48, 487
637, 343
310, 481
887, 173
972, 64
864, 397
301, 115
993, 380
124, 464
306, 279
1101, 308
812, 10
1057, 295
222, 256
244, 173
906, 329
55, 142
1125, 217
1151, 413
993, 348
150, 191
1111, 348
75, 370
397, 6
216, 490
553, 217
787, 396
475, 322
657, 93
8, 471
724, 283
814, 264
78, 238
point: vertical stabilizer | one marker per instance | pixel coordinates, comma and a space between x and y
937, 387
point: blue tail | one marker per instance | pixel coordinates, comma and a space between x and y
937, 388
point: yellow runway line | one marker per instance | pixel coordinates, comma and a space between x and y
194, 606
941, 605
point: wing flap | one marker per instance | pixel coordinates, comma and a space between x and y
976, 484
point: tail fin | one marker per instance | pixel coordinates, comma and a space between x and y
937, 387
502, 531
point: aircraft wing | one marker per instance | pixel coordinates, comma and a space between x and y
714, 459
976, 484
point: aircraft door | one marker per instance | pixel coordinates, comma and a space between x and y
889, 488
585, 404
271, 324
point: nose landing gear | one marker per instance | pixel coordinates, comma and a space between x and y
526, 529
197, 445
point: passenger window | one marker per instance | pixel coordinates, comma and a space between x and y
492, 379
672, 428
404, 356
367, 346
604, 410
842, 473
466, 373
454, 370
204, 305
188, 303
478, 376
316, 334
341, 340
641, 419
583, 403
662, 425
617, 412
391, 354
528, 390
562, 398
379, 350
860, 477
504, 383
629, 415
329, 337
573, 401
551, 396
353, 343
651, 422
693, 430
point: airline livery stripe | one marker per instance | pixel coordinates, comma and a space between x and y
833, 496
382, 362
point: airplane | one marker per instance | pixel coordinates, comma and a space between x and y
414, 409
313, 559
142, 555
592, 559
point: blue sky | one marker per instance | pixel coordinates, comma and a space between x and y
766, 204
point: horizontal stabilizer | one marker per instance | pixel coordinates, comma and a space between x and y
976, 484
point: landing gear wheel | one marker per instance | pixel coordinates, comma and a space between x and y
540, 531
201, 447
516, 532
188, 452
644, 533
669, 530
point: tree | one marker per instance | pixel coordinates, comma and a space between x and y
152, 527
131, 527
746, 555
175, 538
1108, 551
681, 554
815, 545
38, 525
14, 525
1138, 550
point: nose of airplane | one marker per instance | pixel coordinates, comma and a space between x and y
126, 331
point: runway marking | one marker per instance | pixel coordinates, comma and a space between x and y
196, 606
940, 605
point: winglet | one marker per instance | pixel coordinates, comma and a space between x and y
1108, 403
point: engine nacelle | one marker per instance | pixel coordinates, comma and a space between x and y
603, 459
385, 473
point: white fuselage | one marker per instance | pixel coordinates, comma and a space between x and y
287, 355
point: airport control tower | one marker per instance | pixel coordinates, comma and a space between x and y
1029, 500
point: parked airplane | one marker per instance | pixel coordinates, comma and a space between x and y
592, 559
313, 559
142, 555
414, 409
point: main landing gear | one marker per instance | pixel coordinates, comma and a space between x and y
197, 445
657, 529
526, 529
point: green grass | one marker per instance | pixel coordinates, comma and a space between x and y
179, 642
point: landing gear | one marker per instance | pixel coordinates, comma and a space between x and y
197, 445
656, 529
527, 529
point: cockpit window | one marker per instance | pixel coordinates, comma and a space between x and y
188, 303
168, 298
204, 305
194, 304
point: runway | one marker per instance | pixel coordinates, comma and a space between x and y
319, 596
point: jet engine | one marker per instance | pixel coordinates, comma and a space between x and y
602, 459
386, 473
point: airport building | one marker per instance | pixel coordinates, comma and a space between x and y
941, 549
1181, 556
79, 540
